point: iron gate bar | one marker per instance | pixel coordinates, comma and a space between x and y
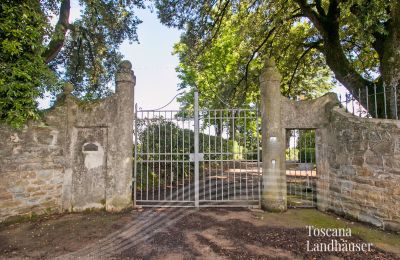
231, 156
301, 179
196, 148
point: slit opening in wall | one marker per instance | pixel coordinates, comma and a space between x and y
301, 170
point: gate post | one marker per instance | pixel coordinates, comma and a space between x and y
119, 187
274, 193
196, 148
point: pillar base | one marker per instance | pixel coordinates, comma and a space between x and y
278, 204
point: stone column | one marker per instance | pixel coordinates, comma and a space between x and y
321, 152
273, 196
121, 184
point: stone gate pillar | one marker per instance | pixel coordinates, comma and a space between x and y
273, 195
120, 180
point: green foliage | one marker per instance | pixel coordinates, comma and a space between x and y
150, 180
90, 54
306, 146
158, 139
226, 42
307, 155
23, 74
292, 154
226, 70
36, 56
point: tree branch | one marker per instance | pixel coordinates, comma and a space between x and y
380, 38
315, 18
62, 26
246, 74
297, 66
320, 10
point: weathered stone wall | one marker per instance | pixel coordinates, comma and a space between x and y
31, 168
78, 157
362, 160
358, 159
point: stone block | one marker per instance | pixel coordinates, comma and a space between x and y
28, 174
381, 183
21, 196
374, 161
367, 217
45, 174
358, 161
17, 189
391, 225
10, 204
395, 191
5, 196
365, 172
382, 147
348, 170
373, 196
32, 188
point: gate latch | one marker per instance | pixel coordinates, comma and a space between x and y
200, 157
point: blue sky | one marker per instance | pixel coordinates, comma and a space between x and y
153, 62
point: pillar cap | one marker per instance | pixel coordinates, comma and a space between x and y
125, 66
270, 63
68, 88
124, 72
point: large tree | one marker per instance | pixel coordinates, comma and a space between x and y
41, 47
226, 71
357, 38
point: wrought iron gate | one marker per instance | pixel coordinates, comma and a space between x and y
301, 171
207, 157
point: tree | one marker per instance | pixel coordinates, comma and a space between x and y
225, 77
36, 55
358, 39
23, 74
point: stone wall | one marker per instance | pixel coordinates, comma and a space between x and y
362, 161
358, 159
78, 157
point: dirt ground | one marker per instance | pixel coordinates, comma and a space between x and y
187, 234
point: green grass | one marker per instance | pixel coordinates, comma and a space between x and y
299, 218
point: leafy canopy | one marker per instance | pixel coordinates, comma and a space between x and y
356, 39
23, 74
36, 55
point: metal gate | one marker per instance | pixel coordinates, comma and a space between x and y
301, 171
198, 158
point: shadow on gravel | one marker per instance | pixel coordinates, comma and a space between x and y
171, 233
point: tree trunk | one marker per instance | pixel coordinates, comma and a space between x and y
58, 37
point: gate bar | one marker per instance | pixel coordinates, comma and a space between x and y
136, 157
196, 148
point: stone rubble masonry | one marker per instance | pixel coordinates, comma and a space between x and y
358, 159
362, 161
78, 157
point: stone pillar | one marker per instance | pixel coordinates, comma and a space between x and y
121, 176
321, 152
273, 196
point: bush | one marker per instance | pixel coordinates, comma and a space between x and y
307, 155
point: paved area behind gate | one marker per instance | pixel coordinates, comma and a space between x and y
180, 233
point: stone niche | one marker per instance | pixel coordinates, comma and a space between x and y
89, 168
79, 156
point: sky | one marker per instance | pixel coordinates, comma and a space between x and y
151, 58
152, 61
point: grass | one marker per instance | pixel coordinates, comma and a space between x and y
299, 218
